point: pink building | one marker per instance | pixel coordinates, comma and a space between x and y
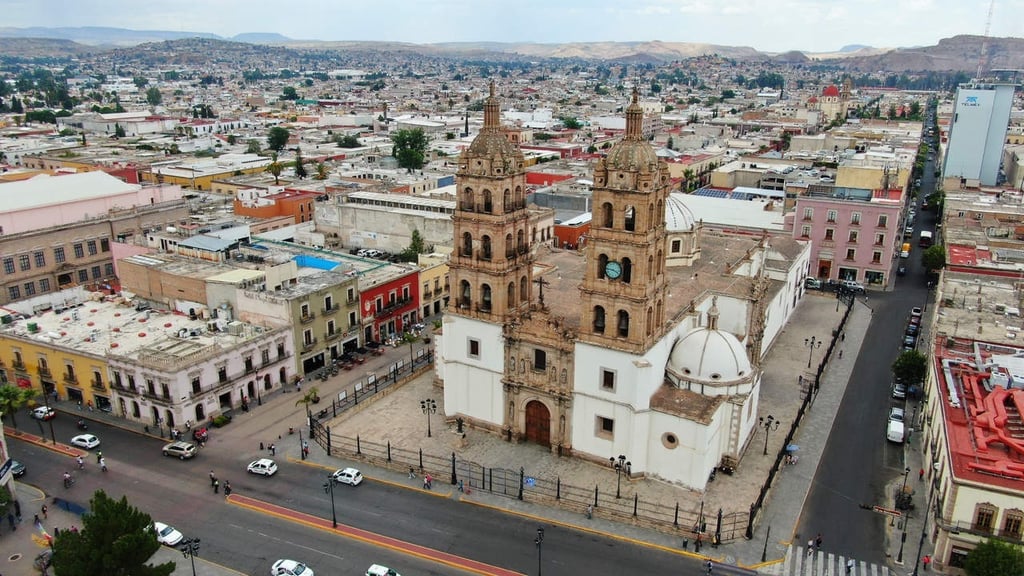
855, 233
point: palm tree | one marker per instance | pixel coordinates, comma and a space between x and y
687, 178
312, 396
410, 338
13, 398
321, 171
275, 168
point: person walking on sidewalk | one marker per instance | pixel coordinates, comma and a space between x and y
213, 478
227, 488
817, 542
927, 560
216, 486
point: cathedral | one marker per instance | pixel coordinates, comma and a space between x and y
645, 343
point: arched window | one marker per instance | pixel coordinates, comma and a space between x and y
650, 320
606, 215
511, 295
467, 244
521, 242
533, 235
650, 216
485, 300
510, 249
467, 199
506, 204
524, 289
602, 262
630, 219
661, 262
485, 247
519, 198
650, 267
488, 202
465, 294
660, 213
599, 319
623, 324
658, 313
627, 270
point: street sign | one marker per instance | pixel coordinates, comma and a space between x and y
887, 511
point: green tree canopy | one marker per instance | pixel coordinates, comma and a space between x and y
275, 168
994, 558
415, 248
571, 122
934, 258
116, 539
153, 96
910, 367
118, 131
410, 148
253, 147
300, 168
13, 398
347, 141
277, 138
289, 93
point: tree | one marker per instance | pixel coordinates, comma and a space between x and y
934, 258
410, 148
277, 138
910, 367
118, 131
670, 143
13, 398
571, 122
727, 94
153, 96
415, 247
312, 396
253, 147
347, 141
994, 558
321, 171
116, 538
300, 169
275, 168
288, 93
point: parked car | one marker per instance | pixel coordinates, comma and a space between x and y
912, 329
894, 428
349, 476
87, 441
44, 413
290, 568
915, 311
18, 469
855, 287
181, 450
263, 467
812, 283
167, 534
899, 390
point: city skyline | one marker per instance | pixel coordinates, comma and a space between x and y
765, 25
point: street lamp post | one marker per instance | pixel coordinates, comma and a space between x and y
769, 423
189, 549
811, 343
429, 407
329, 488
924, 529
621, 465
905, 474
539, 541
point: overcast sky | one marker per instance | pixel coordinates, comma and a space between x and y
767, 25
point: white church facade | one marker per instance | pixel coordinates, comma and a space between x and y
648, 343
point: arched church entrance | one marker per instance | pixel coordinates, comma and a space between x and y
538, 423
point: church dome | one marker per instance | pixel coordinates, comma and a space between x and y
678, 217
632, 152
831, 90
491, 141
709, 355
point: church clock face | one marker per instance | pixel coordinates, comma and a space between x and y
613, 269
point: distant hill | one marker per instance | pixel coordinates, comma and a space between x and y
959, 53
854, 48
100, 36
261, 38
43, 48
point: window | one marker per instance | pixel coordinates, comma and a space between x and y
30, 288
1012, 524
44, 284
14, 292
91, 246
304, 311
40, 258
83, 276
605, 427
540, 359
97, 272
79, 251
23, 262
851, 253
831, 215
808, 213
855, 218
883, 220
677, 245
879, 239
805, 231
984, 517
876, 257
853, 236
351, 295
8, 265
607, 380
623, 324
307, 337
108, 269
58, 254
474, 348
328, 303
197, 386
104, 245
352, 319
830, 234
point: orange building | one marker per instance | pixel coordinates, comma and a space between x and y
298, 205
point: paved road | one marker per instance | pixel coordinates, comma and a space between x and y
179, 493
858, 462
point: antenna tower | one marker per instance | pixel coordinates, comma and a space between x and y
983, 58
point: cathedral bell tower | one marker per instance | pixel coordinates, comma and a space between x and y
491, 265
624, 287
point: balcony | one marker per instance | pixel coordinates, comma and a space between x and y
331, 309
307, 318
44, 371
98, 385
18, 365
392, 307
426, 294
332, 336
309, 345
71, 379
1012, 536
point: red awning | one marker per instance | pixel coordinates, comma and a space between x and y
24, 382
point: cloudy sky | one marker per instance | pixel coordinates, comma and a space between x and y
767, 25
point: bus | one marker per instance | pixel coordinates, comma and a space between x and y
926, 239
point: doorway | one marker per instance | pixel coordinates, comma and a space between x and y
538, 423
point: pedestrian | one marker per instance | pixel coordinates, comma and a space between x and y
412, 472
216, 486
426, 483
227, 488
273, 449
74, 529
817, 542
79, 405
849, 566
99, 456
709, 566
35, 520
213, 477
590, 513
920, 475
261, 446
927, 560
430, 482
461, 488
810, 547
103, 464
44, 509
840, 353
842, 337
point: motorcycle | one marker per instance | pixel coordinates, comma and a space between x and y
82, 425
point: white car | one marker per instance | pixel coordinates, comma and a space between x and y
166, 534
378, 570
264, 467
87, 441
290, 568
349, 476
894, 429
43, 413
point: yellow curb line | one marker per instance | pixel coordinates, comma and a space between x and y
373, 542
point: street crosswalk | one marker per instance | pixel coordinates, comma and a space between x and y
800, 562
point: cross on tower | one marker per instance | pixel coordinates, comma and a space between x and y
541, 282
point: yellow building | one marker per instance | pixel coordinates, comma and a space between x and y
200, 174
433, 283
